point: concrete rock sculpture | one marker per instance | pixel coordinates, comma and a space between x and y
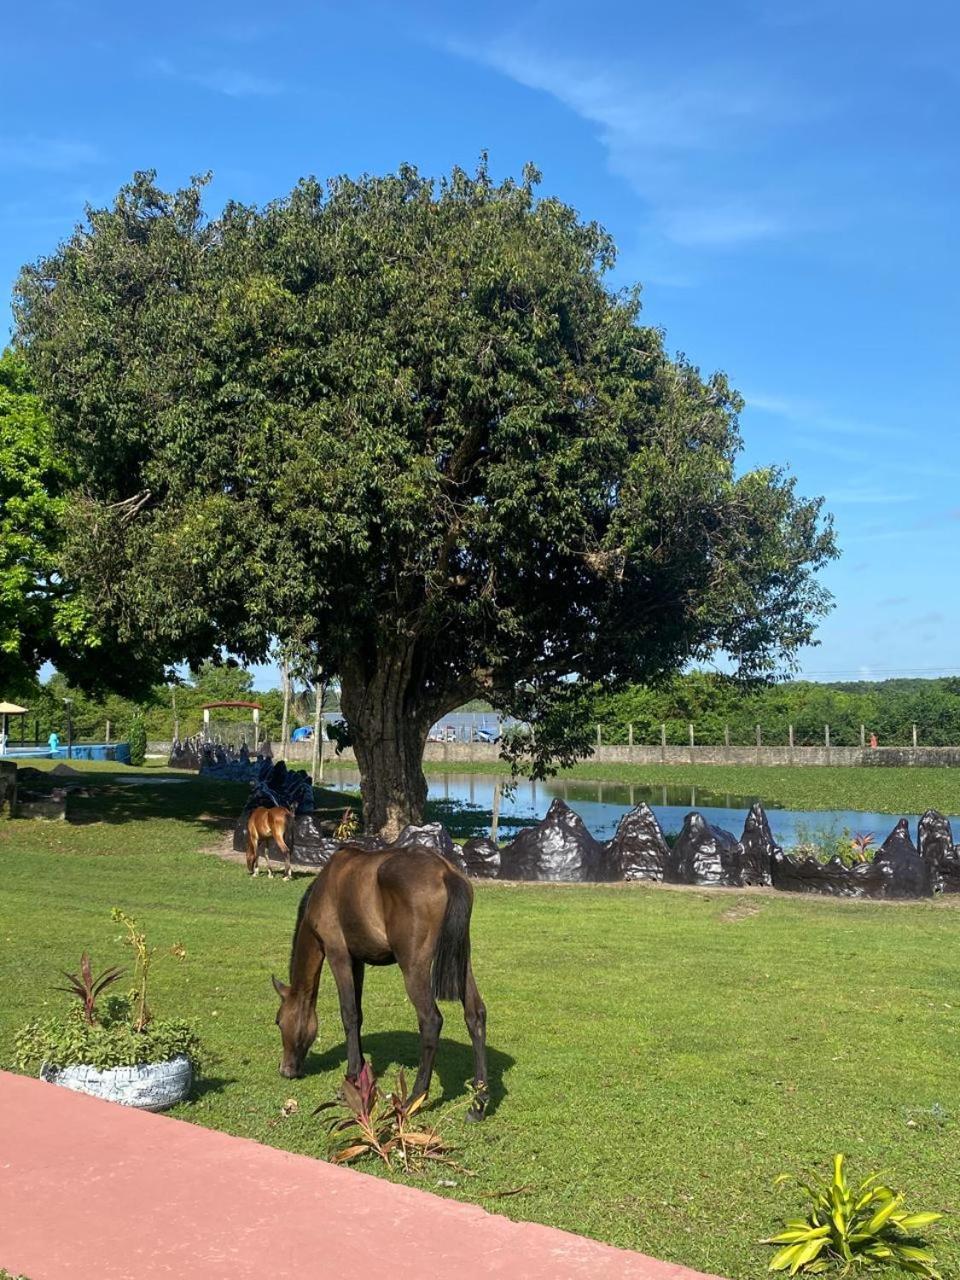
638, 850
705, 854
558, 848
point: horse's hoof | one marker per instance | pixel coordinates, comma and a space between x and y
475, 1115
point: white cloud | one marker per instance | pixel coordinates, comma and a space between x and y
230, 81
812, 415
55, 154
669, 136
868, 496
722, 225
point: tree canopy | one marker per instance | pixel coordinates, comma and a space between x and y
404, 428
32, 478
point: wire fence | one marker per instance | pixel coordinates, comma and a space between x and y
689, 733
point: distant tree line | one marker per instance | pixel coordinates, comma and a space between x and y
888, 708
181, 702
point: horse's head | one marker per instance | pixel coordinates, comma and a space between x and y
297, 1020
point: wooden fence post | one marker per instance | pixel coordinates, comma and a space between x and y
863, 736
914, 735
630, 734
599, 740
663, 743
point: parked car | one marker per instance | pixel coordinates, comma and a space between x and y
443, 733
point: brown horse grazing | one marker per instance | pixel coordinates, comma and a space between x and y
395, 906
268, 824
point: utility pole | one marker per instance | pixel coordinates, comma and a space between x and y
495, 812
316, 766
285, 687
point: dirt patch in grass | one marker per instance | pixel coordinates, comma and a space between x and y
742, 909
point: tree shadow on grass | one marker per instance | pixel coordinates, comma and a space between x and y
116, 797
452, 1069
209, 1084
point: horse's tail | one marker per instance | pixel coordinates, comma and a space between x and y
449, 979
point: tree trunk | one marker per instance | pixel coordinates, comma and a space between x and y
388, 727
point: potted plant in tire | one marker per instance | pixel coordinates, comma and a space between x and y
111, 1046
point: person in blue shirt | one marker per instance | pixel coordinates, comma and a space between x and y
54, 742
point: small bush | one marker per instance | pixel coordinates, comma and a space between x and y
825, 843
382, 1125
851, 1229
138, 740
71, 1041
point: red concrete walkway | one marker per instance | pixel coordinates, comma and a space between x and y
94, 1191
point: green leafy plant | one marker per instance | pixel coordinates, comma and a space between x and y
138, 740
87, 988
861, 843
113, 1041
120, 1032
136, 939
851, 1228
348, 825
824, 843
382, 1125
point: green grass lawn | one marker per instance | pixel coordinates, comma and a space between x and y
657, 1056
873, 789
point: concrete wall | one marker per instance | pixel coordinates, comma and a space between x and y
463, 753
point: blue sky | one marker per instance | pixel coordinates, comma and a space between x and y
782, 177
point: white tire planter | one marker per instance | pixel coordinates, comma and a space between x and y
151, 1086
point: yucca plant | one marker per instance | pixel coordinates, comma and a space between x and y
850, 1229
348, 825
87, 988
382, 1125
861, 843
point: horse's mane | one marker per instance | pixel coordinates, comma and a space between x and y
301, 911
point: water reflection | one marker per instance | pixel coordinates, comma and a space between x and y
467, 799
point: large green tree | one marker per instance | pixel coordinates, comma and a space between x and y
32, 480
44, 616
405, 429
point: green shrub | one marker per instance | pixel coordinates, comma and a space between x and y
824, 843
70, 1041
138, 740
117, 1031
851, 1229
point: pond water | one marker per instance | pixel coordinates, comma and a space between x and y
601, 805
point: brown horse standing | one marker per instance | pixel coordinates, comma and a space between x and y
395, 906
272, 825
